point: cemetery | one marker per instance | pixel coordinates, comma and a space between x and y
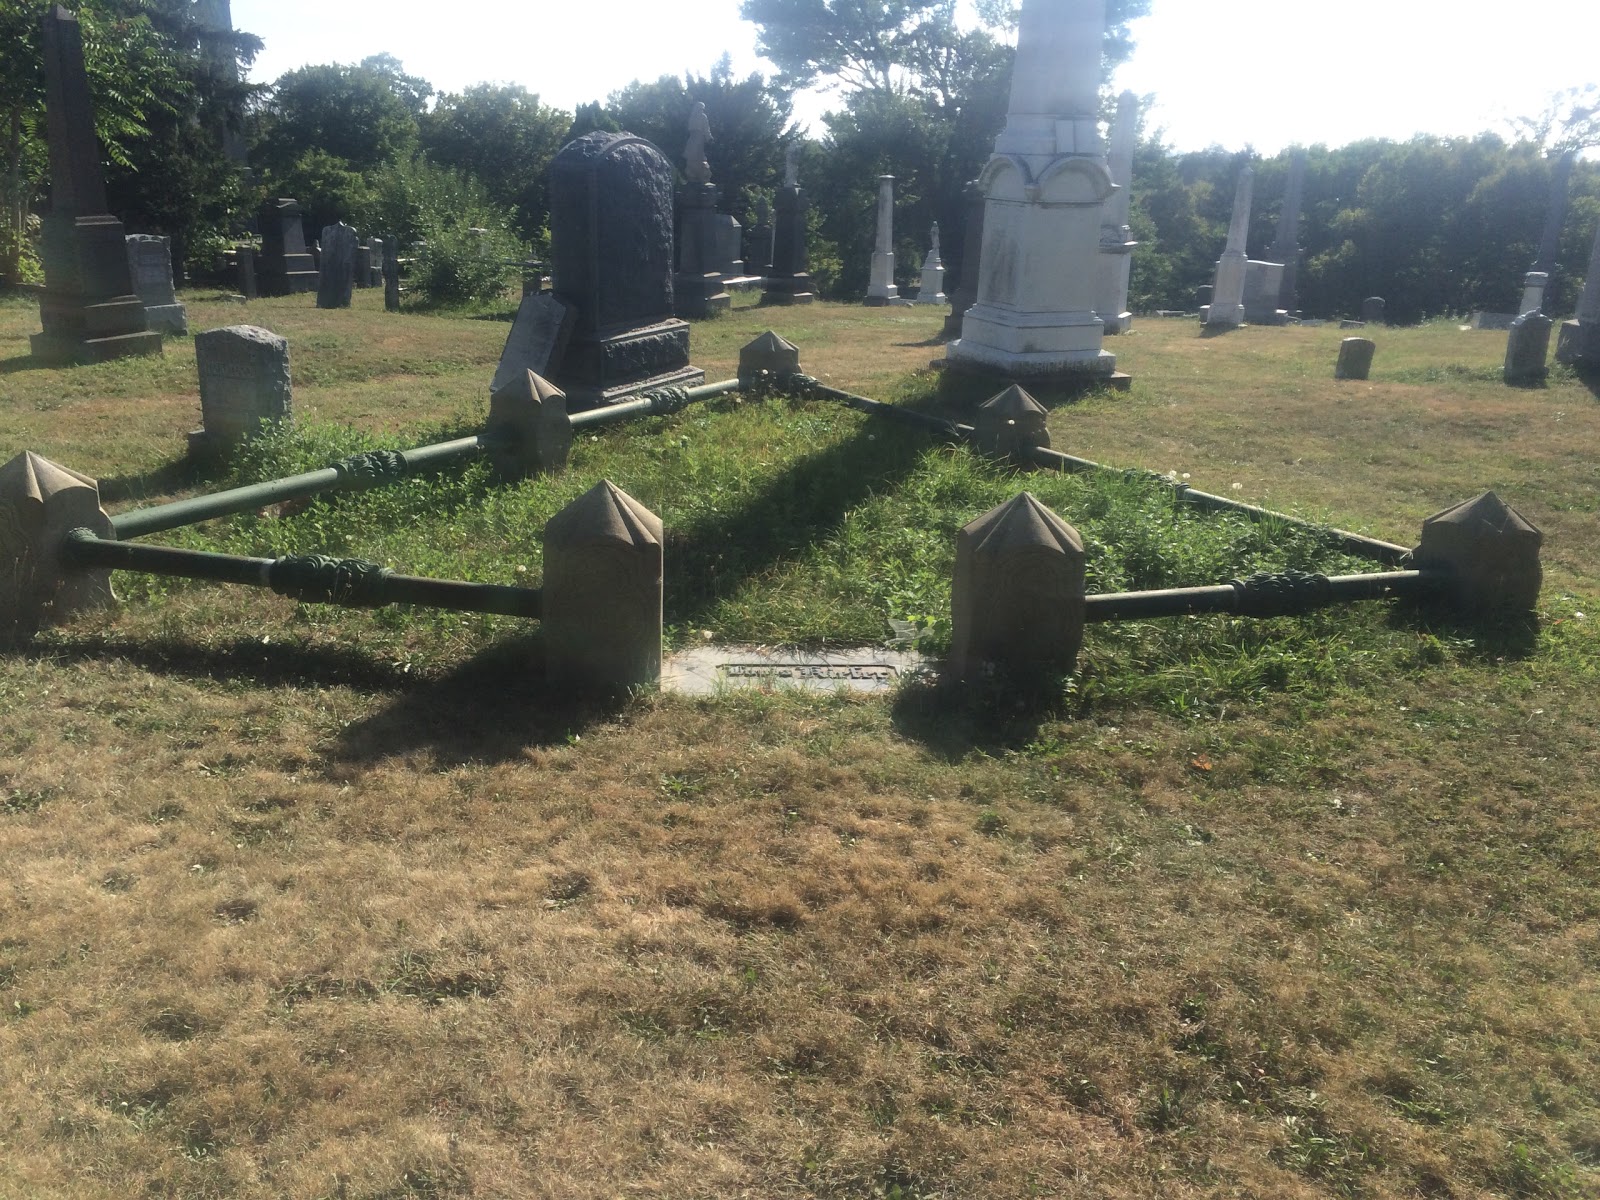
671, 723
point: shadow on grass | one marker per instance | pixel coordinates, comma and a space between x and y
175, 476
489, 709
959, 392
1479, 637
993, 715
23, 362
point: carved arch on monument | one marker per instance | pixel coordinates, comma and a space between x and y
1006, 177
1075, 180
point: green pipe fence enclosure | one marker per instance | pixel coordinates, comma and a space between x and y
1018, 596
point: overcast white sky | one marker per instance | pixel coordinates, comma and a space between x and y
1267, 73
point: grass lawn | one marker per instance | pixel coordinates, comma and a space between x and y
305, 902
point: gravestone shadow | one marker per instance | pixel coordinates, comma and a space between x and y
1483, 638
992, 715
22, 362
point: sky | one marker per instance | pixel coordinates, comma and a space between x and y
1262, 73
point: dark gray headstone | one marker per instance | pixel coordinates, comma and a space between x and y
1372, 310
150, 264
244, 258
965, 294
286, 266
537, 341
788, 278
244, 380
1202, 295
1355, 358
338, 267
363, 267
391, 274
1528, 348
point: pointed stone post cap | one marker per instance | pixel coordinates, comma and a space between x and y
40, 502
605, 514
1010, 424
528, 428
769, 353
1018, 595
1488, 551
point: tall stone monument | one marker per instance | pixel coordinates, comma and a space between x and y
882, 291
1226, 309
1286, 246
1555, 217
89, 310
1116, 238
1045, 189
150, 265
697, 288
285, 266
787, 280
758, 241
611, 259
1579, 342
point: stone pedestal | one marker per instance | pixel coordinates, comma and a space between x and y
150, 264
769, 355
611, 243
1528, 349
1226, 310
1355, 358
1116, 238
1489, 552
697, 287
1018, 597
88, 310
40, 502
788, 281
244, 262
932, 289
602, 592
285, 267
244, 384
1533, 286
336, 280
882, 290
966, 293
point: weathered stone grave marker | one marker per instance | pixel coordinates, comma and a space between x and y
244, 381
932, 289
1226, 310
1528, 349
787, 279
1579, 343
39, 503
537, 341
150, 264
338, 267
881, 291
1355, 358
286, 266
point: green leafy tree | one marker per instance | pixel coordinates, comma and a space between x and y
504, 136
362, 115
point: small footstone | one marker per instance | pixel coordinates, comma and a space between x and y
1355, 358
1489, 552
40, 502
1011, 424
769, 353
244, 381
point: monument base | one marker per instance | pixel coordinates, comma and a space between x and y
699, 295
1489, 320
56, 350
1578, 345
793, 289
287, 276
1267, 316
1119, 324
892, 300
167, 318
596, 372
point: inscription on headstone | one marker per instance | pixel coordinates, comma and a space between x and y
244, 380
537, 340
150, 263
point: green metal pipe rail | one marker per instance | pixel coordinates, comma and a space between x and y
314, 578
1269, 594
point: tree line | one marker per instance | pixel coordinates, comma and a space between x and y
1435, 225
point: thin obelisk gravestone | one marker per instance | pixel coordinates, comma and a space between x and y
88, 308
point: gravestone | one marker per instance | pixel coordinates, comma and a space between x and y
1116, 236
882, 291
244, 381
375, 252
788, 281
1018, 595
150, 264
40, 503
1554, 218
1226, 310
88, 309
697, 288
758, 241
932, 289
1202, 295
1010, 424
601, 622
1528, 349
285, 267
338, 267
611, 252
1493, 321
966, 293
1533, 286
363, 265
1355, 358
537, 340
1579, 343
1045, 189
728, 240
244, 262
1488, 552
1263, 283
1372, 310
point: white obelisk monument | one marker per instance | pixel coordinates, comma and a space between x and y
1227, 295
1116, 239
1045, 191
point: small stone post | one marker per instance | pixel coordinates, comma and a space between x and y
1528, 349
244, 258
882, 291
1010, 424
39, 503
602, 592
1490, 553
769, 354
1018, 597
1355, 358
528, 429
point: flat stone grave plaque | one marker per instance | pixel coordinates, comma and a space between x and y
537, 341
706, 670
